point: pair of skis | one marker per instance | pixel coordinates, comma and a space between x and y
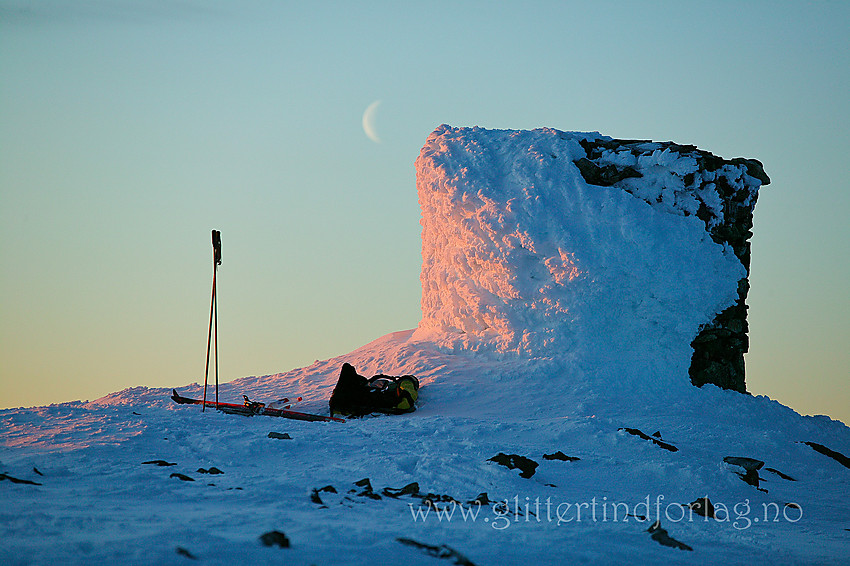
250, 408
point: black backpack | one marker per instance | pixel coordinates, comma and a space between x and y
355, 396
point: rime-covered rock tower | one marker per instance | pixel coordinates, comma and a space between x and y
629, 257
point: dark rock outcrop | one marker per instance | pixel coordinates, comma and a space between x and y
185, 553
655, 439
837, 456
751, 467
213, 471
560, 456
702, 507
780, 474
438, 551
17, 480
275, 538
527, 466
660, 536
181, 477
160, 463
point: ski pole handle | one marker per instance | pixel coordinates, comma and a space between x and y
216, 242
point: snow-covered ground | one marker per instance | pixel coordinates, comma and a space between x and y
97, 502
553, 358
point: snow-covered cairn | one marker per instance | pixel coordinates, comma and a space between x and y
571, 245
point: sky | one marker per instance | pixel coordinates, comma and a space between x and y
130, 129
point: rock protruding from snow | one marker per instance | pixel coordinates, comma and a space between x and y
574, 245
722, 194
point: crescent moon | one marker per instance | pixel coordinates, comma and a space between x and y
369, 121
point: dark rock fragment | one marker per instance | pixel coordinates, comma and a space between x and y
441, 551
560, 456
751, 467
754, 169
482, 499
274, 538
367, 489
526, 466
17, 480
837, 456
702, 507
643, 435
160, 463
433, 498
604, 176
213, 470
314, 495
751, 477
409, 489
749, 464
182, 477
364, 488
780, 474
280, 435
660, 536
184, 552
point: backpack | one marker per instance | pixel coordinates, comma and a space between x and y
356, 396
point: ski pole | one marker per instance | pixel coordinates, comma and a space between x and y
216, 242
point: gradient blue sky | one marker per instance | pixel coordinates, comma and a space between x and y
130, 129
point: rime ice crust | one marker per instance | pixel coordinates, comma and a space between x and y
520, 253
